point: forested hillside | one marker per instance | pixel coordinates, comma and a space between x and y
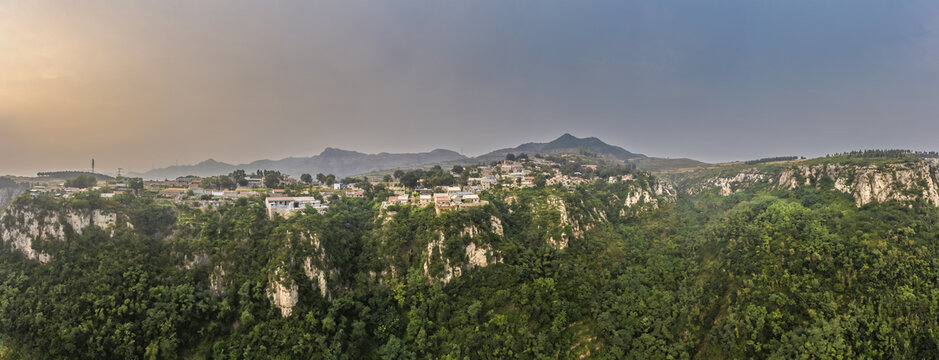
644, 269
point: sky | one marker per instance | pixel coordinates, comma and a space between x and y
144, 84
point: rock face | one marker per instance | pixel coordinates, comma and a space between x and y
313, 266
283, 293
902, 182
476, 255
649, 193
557, 204
21, 226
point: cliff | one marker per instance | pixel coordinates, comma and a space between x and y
903, 181
24, 225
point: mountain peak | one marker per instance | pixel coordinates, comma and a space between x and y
209, 161
569, 143
566, 137
331, 151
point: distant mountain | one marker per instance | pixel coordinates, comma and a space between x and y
345, 163
567, 143
330, 161
209, 167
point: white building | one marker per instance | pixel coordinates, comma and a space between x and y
286, 206
255, 182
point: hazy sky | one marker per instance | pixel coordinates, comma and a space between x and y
137, 84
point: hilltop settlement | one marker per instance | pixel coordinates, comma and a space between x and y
445, 190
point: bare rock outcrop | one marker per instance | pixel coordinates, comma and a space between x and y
903, 181
283, 293
24, 225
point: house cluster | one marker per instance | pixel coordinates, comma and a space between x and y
512, 174
520, 175
454, 198
190, 190
60, 190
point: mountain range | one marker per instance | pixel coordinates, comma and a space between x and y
345, 163
330, 161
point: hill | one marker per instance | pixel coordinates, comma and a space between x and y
567, 143
656, 164
65, 175
330, 161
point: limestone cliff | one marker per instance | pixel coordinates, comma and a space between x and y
901, 181
283, 293
22, 225
440, 248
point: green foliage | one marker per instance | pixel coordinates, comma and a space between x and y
771, 159
757, 274
82, 182
272, 180
434, 177
219, 182
135, 185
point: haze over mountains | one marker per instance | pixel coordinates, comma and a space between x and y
344, 162
330, 161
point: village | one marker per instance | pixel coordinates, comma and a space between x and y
285, 195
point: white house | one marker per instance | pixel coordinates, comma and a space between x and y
286, 206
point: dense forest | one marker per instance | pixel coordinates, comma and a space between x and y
762, 273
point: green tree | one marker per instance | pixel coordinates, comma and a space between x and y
135, 185
239, 177
272, 180
81, 181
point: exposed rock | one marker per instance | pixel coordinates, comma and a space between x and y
868, 183
558, 204
315, 274
197, 259
216, 280
477, 256
449, 272
30, 225
497, 226
313, 266
735, 183
283, 296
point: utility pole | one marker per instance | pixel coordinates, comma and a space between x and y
92, 165
119, 172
